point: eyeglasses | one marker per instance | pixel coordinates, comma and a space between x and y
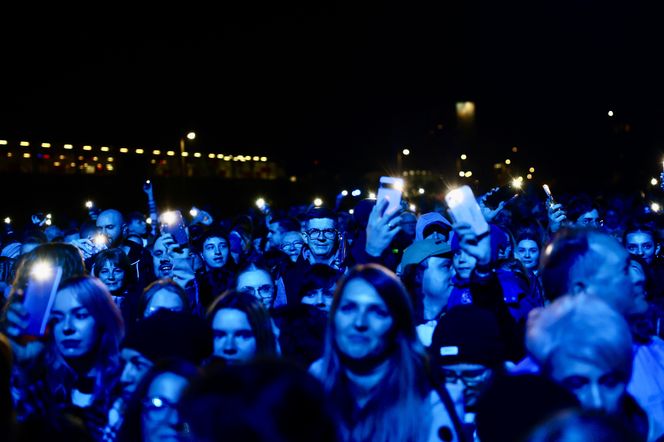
157, 408
264, 291
327, 233
469, 378
293, 245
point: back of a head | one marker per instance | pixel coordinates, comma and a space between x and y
558, 258
262, 401
512, 406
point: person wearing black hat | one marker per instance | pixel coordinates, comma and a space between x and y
467, 352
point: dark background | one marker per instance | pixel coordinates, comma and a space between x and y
333, 91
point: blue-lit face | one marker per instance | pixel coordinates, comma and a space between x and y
215, 252
159, 414
463, 264
74, 328
641, 244
320, 235
528, 252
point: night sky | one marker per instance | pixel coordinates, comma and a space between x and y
320, 83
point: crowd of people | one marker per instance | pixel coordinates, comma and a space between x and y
318, 323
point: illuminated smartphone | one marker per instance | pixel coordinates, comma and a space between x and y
464, 209
173, 223
390, 188
40, 295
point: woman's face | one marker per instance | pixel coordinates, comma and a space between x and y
111, 276
596, 387
528, 252
234, 338
159, 415
362, 322
320, 297
163, 299
74, 329
215, 252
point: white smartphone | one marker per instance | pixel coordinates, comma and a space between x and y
464, 209
390, 189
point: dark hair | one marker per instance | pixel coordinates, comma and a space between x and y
637, 226
531, 233
559, 257
301, 332
64, 255
578, 205
213, 232
257, 315
286, 223
320, 212
166, 284
318, 276
33, 236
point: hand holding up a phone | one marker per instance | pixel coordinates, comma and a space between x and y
382, 227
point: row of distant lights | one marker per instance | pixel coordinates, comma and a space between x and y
139, 151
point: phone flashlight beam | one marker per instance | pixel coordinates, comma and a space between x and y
42, 271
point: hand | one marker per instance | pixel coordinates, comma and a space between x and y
490, 214
38, 219
85, 246
18, 319
147, 188
382, 227
480, 249
202, 217
556, 216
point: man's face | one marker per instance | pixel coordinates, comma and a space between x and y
274, 235
611, 280
291, 244
408, 224
163, 265
109, 223
463, 264
138, 227
362, 323
596, 387
641, 244
215, 252
466, 380
321, 236
589, 219
528, 252
136, 366
436, 276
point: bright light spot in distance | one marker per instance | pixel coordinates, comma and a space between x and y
344, 193
318, 202
508, 161
610, 113
464, 156
420, 191
406, 152
356, 192
655, 207
653, 181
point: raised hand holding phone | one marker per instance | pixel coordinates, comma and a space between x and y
173, 223
39, 296
464, 209
390, 189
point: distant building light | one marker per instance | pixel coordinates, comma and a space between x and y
508, 161
462, 173
220, 156
531, 170
293, 179
81, 158
62, 157
228, 157
529, 176
406, 152
140, 151
46, 145
464, 156
256, 158
469, 174
24, 144
356, 192
197, 154
610, 115
420, 191
124, 150
516, 183
72, 164
655, 207
68, 146
247, 158
109, 167
185, 154
170, 153
318, 202
87, 147
191, 135
263, 159
515, 149
56, 164
211, 155
105, 148
344, 193
156, 152
9, 155
465, 110
653, 181
110, 159
3, 142
8, 220
153, 161
26, 155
